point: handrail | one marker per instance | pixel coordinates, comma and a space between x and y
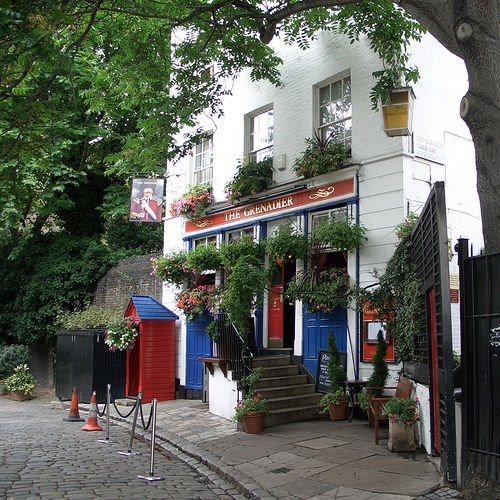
231, 347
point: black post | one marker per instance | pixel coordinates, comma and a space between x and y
462, 249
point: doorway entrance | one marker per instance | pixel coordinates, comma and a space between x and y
281, 312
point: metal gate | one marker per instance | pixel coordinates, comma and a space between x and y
480, 333
434, 348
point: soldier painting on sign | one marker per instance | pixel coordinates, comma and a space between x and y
145, 206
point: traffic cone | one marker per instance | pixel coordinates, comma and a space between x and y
74, 415
92, 424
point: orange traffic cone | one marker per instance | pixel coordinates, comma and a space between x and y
92, 424
74, 415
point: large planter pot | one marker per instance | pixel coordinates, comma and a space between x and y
401, 436
19, 396
254, 422
338, 411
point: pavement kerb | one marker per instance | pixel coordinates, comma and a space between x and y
185, 449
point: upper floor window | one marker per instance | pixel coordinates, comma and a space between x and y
203, 161
335, 111
261, 136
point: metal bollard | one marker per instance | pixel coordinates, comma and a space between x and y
151, 476
132, 432
108, 404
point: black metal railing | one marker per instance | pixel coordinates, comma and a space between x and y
231, 347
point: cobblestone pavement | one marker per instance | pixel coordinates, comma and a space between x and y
41, 456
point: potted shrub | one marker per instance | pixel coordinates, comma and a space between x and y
335, 401
402, 414
321, 156
252, 409
379, 374
20, 384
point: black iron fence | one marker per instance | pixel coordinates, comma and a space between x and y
480, 334
231, 347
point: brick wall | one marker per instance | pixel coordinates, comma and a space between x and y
129, 276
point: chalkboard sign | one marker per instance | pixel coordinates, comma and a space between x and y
323, 382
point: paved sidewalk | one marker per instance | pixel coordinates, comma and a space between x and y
318, 459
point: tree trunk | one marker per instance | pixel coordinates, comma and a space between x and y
470, 30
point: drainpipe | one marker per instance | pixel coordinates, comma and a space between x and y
358, 318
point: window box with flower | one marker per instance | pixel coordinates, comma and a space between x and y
250, 178
122, 335
193, 203
402, 414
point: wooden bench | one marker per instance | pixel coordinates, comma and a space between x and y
376, 404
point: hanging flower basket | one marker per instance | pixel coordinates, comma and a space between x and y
121, 335
195, 301
193, 203
323, 292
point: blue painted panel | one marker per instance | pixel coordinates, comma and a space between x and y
317, 327
197, 346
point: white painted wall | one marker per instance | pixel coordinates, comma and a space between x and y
227, 394
392, 180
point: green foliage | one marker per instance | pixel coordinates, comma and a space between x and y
332, 397
244, 290
362, 400
404, 410
12, 356
286, 243
56, 273
336, 372
380, 370
398, 298
204, 258
340, 234
20, 381
321, 156
212, 330
250, 178
91, 316
243, 247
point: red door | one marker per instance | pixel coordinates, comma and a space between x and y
275, 311
431, 300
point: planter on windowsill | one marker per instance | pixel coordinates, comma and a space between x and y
398, 113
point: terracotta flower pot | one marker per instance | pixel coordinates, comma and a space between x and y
339, 411
19, 396
254, 422
401, 436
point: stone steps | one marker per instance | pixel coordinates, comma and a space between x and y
290, 397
